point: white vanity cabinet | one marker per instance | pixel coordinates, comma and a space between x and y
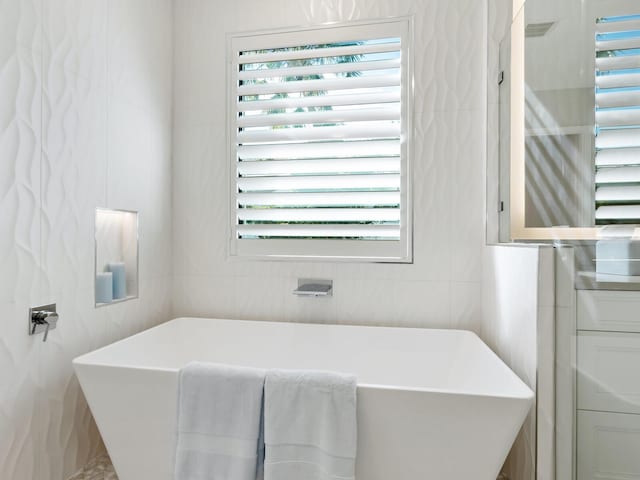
608, 385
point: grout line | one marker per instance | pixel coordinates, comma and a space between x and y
38, 467
107, 116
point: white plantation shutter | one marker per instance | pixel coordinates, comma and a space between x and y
319, 143
618, 120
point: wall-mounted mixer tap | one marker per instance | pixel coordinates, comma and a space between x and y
43, 319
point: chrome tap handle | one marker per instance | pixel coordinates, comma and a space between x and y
46, 330
43, 317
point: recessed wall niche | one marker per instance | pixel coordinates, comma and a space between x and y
116, 267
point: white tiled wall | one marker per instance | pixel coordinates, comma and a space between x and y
85, 121
442, 287
518, 324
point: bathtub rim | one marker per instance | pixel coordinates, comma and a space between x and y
525, 392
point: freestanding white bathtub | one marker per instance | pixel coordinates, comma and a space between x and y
432, 404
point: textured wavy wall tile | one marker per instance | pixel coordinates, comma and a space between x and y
100, 149
53, 74
20, 24
19, 172
75, 36
19, 236
73, 184
450, 58
19, 407
467, 212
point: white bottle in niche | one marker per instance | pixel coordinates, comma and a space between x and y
119, 280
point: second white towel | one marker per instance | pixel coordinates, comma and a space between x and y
310, 426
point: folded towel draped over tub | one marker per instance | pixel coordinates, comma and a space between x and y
219, 423
309, 426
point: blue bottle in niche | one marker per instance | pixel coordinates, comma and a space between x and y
104, 287
119, 280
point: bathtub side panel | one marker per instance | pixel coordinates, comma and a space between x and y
136, 412
407, 435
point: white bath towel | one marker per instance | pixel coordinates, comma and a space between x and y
310, 426
219, 415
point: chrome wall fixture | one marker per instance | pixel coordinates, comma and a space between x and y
42, 319
314, 288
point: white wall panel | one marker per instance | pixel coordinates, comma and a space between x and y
449, 107
74, 75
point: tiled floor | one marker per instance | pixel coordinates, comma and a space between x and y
99, 468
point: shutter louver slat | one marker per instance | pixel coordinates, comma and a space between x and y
319, 231
375, 81
325, 199
618, 175
332, 116
326, 166
623, 138
614, 27
318, 70
382, 148
609, 45
354, 131
618, 194
617, 159
319, 214
618, 63
321, 182
318, 142
320, 101
618, 99
342, 51
618, 80
613, 213
618, 117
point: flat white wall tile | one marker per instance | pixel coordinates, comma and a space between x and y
513, 324
565, 275
466, 306
139, 54
202, 296
547, 277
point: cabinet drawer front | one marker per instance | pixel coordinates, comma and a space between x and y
609, 372
609, 311
608, 446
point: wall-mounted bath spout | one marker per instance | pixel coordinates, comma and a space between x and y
314, 288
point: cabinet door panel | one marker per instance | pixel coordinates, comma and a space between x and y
608, 446
609, 372
608, 311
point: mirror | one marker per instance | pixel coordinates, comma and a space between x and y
575, 83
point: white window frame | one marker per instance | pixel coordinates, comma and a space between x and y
320, 249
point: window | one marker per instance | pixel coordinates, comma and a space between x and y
319, 142
618, 120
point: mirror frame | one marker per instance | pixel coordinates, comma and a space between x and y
517, 227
